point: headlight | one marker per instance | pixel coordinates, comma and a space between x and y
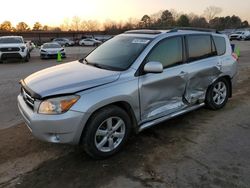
43, 51
23, 48
57, 105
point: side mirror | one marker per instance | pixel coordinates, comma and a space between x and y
153, 67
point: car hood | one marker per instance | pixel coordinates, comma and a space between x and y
6, 45
235, 35
51, 49
67, 78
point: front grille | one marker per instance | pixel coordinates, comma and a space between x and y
27, 98
10, 49
11, 56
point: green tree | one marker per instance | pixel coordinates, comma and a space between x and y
199, 22
245, 24
22, 26
235, 22
6, 26
45, 28
145, 21
166, 19
183, 21
37, 26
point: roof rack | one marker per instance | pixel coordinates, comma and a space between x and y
193, 29
144, 31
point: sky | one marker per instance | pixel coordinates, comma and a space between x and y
53, 12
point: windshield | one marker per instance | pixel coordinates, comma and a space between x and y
118, 53
51, 46
11, 40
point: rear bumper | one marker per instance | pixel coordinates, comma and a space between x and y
63, 128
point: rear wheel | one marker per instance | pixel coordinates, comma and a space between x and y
106, 132
217, 94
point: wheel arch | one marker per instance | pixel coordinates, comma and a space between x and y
121, 104
228, 79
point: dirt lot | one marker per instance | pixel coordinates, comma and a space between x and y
200, 149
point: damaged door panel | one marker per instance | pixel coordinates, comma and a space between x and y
162, 94
204, 67
201, 75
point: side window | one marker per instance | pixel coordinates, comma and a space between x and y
199, 47
220, 44
168, 52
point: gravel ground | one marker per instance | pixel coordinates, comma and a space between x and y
200, 149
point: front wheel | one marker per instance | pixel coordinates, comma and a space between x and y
106, 132
27, 58
217, 94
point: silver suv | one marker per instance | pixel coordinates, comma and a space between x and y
131, 82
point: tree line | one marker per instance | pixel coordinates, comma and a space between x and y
161, 20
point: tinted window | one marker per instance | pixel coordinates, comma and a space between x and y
199, 47
168, 52
220, 44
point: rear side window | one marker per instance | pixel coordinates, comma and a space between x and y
168, 52
220, 44
199, 47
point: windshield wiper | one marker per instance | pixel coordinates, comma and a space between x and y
101, 66
82, 60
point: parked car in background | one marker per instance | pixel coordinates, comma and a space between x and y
239, 35
50, 50
248, 37
13, 47
89, 42
64, 41
131, 82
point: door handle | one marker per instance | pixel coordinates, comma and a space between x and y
183, 74
219, 65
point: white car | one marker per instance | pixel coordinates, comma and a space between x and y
13, 47
50, 50
239, 35
89, 42
64, 41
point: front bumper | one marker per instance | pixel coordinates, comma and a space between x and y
51, 55
63, 128
12, 55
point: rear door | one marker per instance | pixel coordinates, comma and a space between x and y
203, 66
162, 93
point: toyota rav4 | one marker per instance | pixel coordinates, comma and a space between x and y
131, 82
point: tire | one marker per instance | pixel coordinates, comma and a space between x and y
27, 58
106, 132
217, 94
66, 44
